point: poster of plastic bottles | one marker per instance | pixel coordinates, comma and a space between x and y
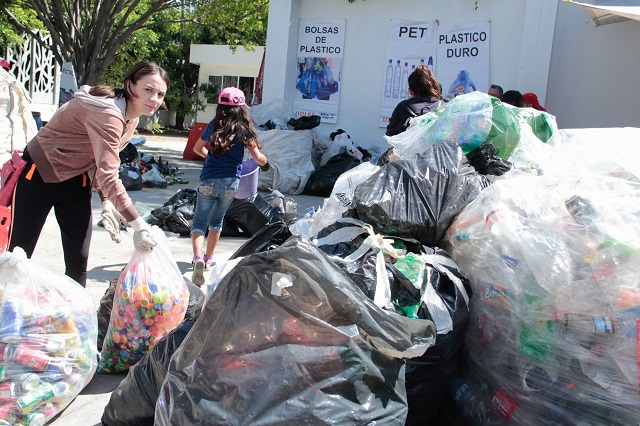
319, 68
463, 58
409, 44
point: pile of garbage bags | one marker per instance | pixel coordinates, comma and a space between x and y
553, 262
47, 340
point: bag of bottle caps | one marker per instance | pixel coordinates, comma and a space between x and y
48, 329
151, 299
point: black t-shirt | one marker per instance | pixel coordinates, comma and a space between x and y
399, 120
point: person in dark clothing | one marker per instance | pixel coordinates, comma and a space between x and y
513, 97
425, 96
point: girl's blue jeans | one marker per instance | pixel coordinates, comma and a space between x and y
214, 198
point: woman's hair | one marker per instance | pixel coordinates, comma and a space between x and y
513, 97
134, 74
423, 83
229, 122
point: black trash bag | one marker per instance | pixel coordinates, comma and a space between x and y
104, 311
286, 338
176, 215
247, 216
133, 402
418, 198
268, 238
322, 181
130, 183
486, 162
128, 154
304, 123
430, 375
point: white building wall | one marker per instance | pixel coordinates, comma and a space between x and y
594, 72
221, 60
514, 24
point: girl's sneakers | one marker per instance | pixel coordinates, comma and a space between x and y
208, 262
200, 264
197, 277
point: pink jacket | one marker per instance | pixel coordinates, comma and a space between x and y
86, 133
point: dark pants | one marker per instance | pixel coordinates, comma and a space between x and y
71, 201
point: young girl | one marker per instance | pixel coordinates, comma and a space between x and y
76, 151
222, 145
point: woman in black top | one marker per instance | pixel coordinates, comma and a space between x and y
425, 96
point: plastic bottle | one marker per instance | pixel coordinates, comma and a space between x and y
396, 80
404, 81
462, 84
276, 193
388, 80
471, 405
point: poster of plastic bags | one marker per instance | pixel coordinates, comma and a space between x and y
409, 44
463, 58
319, 68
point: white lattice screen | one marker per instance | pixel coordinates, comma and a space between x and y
36, 68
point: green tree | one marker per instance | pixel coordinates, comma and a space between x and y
90, 33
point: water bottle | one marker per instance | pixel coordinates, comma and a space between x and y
388, 80
405, 81
396, 80
469, 402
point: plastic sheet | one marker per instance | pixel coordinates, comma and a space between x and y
48, 334
133, 402
418, 198
553, 262
150, 300
291, 314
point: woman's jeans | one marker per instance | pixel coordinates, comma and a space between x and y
214, 198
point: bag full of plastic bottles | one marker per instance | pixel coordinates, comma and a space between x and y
554, 263
471, 120
48, 329
150, 300
287, 338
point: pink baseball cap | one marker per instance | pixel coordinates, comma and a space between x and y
5, 64
231, 96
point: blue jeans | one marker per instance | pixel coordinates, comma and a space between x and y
214, 198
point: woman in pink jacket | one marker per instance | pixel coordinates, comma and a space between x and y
76, 151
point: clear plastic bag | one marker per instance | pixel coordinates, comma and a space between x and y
150, 300
554, 262
48, 329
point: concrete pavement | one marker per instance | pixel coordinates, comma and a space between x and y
107, 259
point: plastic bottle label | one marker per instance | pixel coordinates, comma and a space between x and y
603, 325
504, 404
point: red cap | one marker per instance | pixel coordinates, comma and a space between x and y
5, 64
531, 98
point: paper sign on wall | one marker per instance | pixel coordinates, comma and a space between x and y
463, 58
319, 68
409, 44
458, 54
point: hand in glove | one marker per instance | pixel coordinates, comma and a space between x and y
111, 220
142, 239
266, 167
